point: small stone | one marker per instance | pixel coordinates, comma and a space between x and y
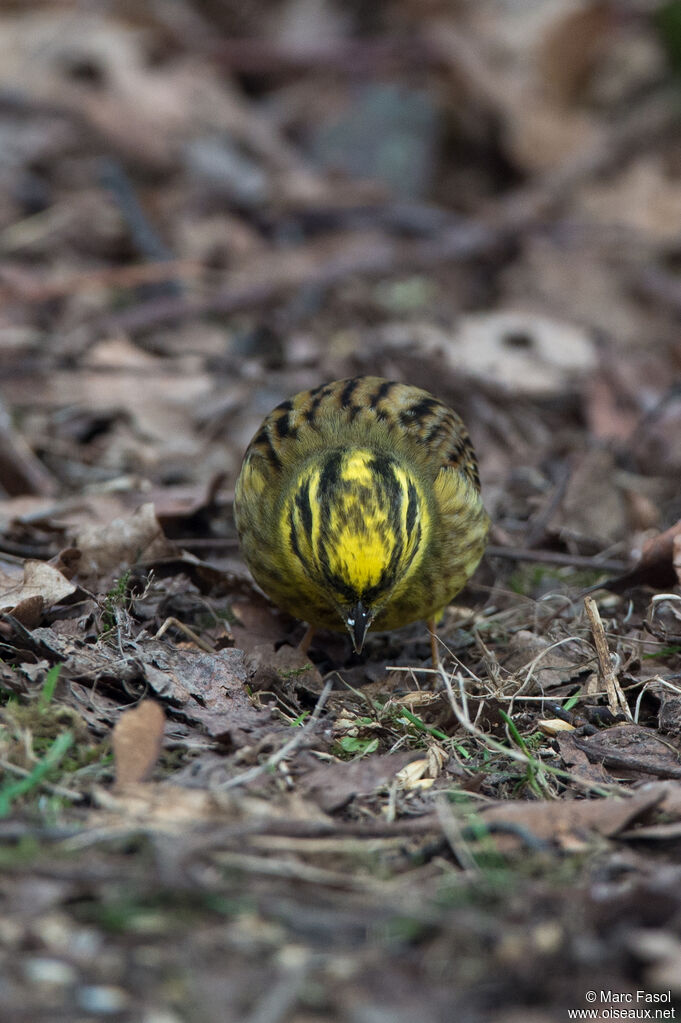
41, 970
102, 999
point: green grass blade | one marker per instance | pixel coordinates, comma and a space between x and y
12, 790
49, 686
422, 726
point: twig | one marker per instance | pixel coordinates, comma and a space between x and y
189, 633
557, 558
21, 470
145, 238
279, 999
57, 790
455, 838
350, 56
538, 523
31, 287
616, 699
518, 755
291, 869
286, 750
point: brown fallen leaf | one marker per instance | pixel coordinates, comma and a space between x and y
207, 689
659, 565
540, 664
551, 726
160, 806
631, 748
29, 611
35, 579
570, 48
670, 795
572, 820
577, 762
333, 785
669, 711
137, 740
117, 545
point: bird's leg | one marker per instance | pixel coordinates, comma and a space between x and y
304, 644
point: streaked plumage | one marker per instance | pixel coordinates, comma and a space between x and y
358, 503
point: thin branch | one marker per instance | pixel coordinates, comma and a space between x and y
557, 558
57, 790
616, 698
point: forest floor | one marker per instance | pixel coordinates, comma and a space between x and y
203, 210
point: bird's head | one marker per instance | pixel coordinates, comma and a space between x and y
356, 522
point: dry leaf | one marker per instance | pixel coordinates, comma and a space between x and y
570, 819
570, 48
658, 565
125, 541
333, 785
539, 664
521, 352
209, 689
137, 740
632, 749
412, 776
37, 579
29, 611
644, 198
552, 726
593, 505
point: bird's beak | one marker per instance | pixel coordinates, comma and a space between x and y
358, 621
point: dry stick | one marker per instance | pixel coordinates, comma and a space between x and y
558, 558
453, 834
280, 998
21, 470
286, 750
57, 790
616, 698
539, 523
35, 288
188, 632
114, 177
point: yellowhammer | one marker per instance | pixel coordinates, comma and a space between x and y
358, 504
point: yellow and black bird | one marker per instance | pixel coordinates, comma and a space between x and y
358, 504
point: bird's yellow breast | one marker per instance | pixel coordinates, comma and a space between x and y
356, 523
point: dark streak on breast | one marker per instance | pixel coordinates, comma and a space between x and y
304, 507
411, 508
